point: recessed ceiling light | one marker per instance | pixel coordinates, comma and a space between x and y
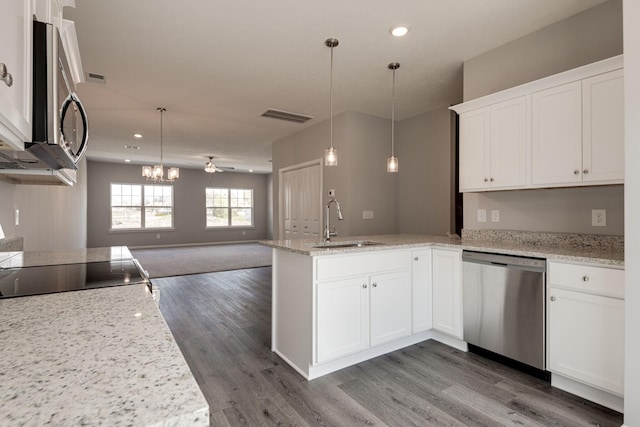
250, 170
137, 135
127, 160
399, 30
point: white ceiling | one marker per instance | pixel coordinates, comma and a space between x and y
216, 65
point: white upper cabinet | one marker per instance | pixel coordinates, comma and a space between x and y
493, 143
603, 127
562, 130
557, 135
15, 83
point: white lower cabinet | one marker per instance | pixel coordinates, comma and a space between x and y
447, 292
354, 314
342, 312
390, 306
586, 325
421, 289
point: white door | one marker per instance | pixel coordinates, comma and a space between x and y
557, 135
301, 195
509, 144
342, 318
474, 149
390, 298
447, 292
586, 338
421, 291
603, 127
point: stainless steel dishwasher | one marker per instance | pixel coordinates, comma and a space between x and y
504, 306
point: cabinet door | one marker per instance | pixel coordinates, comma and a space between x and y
603, 127
509, 144
15, 55
390, 297
557, 135
421, 291
586, 338
475, 127
447, 292
342, 318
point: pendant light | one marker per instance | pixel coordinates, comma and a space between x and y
156, 173
331, 154
392, 162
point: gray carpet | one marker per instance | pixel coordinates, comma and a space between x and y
180, 261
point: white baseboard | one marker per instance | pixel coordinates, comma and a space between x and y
587, 392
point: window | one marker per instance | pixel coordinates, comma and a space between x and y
229, 207
141, 206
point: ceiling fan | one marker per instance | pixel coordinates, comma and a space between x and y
210, 167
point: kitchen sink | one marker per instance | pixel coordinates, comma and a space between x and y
345, 244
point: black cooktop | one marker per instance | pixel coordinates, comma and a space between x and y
23, 281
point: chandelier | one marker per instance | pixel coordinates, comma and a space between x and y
156, 173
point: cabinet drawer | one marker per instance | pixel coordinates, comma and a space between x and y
332, 267
595, 280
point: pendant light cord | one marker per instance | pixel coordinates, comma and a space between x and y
162, 110
393, 112
331, 99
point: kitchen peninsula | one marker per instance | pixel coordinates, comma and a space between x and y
99, 356
340, 303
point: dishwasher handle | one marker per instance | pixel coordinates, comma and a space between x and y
502, 260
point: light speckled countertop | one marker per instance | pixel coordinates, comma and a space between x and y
546, 245
93, 357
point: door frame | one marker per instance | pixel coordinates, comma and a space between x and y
281, 172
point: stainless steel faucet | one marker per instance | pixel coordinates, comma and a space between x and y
328, 234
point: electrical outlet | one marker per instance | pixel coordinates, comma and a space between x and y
495, 216
482, 215
367, 214
599, 217
17, 217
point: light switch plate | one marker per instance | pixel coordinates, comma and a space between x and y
367, 214
599, 217
482, 215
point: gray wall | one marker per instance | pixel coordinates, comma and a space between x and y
360, 179
51, 217
579, 40
587, 37
425, 187
189, 207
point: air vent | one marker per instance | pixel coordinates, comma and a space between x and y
96, 78
285, 115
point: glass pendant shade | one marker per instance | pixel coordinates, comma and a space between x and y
331, 157
146, 171
392, 164
173, 173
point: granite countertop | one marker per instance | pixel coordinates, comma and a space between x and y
93, 357
605, 250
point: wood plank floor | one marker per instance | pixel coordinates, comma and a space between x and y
222, 323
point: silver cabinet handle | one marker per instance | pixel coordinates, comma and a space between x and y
576, 172
552, 298
375, 285
364, 286
485, 180
585, 278
416, 259
5, 75
491, 179
586, 171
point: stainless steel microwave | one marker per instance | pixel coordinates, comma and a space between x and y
60, 125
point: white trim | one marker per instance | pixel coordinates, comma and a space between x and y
589, 70
587, 392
